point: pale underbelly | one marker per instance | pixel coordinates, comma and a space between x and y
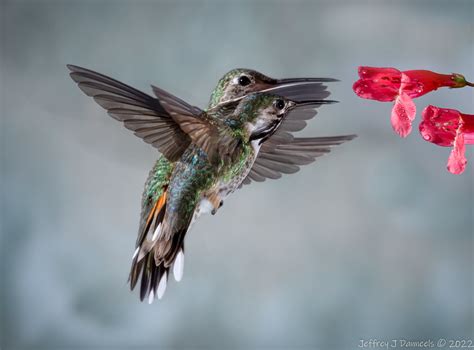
213, 199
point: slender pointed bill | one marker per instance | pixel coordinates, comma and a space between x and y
314, 103
296, 88
162, 285
449, 128
388, 84
310, 103
178, 266
304, 80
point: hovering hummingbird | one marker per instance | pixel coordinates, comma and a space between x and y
244, 135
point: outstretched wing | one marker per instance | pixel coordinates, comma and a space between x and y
139, 112
296, 119
208, 132
286, 158
282, 153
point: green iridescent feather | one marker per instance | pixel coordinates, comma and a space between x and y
160, 177
235, 169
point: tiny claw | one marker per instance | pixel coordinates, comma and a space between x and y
214, 211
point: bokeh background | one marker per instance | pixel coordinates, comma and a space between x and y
374, 241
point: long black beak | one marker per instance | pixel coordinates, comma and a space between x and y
300, 89
304, 80
297, 89
314, 103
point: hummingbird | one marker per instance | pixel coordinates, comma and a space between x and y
244, 135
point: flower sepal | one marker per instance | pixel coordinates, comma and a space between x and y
459, 81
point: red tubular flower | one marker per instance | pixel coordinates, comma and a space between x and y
390, 84
449, 127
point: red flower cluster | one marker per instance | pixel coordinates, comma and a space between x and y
390, 84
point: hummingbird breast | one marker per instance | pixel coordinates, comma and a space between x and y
197, 187
228, 180
231, 178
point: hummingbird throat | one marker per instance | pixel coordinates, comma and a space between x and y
263, 134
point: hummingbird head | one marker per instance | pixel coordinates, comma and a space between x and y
236, 84
240, 82
259, 115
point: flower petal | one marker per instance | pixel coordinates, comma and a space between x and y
403, 114
374, 90
457, 159
439, 125
469, 139
380, 84
375, 73
468, 128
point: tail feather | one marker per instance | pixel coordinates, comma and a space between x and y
155, 217
178, 265
145, 282
156, 255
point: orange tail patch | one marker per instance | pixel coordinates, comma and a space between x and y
154, 218
155, 210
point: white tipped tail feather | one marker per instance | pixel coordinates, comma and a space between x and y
156, 233
162, 285
151, 297
178, 266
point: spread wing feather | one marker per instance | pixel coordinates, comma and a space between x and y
139, 112
208, 132
176, 104
282, 153
286, 158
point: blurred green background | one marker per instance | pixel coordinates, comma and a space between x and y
373, 241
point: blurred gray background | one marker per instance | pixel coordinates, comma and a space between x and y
373, 241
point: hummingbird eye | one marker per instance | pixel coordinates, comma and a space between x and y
279, 104
244, 80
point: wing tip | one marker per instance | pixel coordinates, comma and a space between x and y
329, 80
73, 68
350, 137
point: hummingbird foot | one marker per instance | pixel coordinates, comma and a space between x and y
214, 200
214, 211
